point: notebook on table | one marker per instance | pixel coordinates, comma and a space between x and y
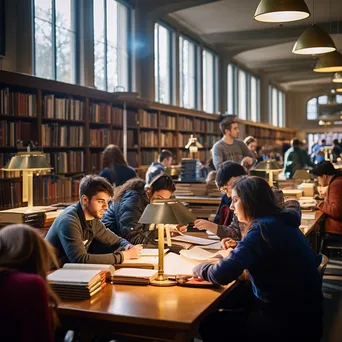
134, 276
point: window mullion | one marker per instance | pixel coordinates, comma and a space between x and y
105, 46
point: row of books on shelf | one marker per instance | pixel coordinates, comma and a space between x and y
168, 139
63, 108
167, 122
99, 137
148, 120
11, 132
199, 125
62, 136
47, 190
67, 162
183, 139
261, 132
197, 189
148, 156
16, 103
148, 139
213, 127
185, 123
100, 113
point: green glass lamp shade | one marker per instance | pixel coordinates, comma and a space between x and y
281, 11
337, 77
28, 161
329, 62
314, 41
167, 212
268, 165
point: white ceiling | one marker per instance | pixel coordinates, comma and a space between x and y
264, 47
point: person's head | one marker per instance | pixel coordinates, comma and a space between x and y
95, 192
112, 155
295, 143
324, 171
229, 127
227, 174
335, 142
251, 143
323, 142
160, 187
165, 158
211, 177
253, 198
24, 250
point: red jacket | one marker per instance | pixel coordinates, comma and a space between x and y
332, 206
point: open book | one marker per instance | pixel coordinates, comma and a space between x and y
192, 239
107, 268
134, 276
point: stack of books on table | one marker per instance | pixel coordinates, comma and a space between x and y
79, 281
191, 189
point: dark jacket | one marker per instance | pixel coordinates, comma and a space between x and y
332, 206
71, 236
122, 216
118, 174
221, 216
294, 160
279, 260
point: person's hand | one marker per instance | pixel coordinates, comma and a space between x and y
132, 253
227, 243
206, 225
174, 228
247, 160
225, 252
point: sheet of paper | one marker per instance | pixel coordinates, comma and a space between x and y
135, 273
151, 252
197, 253
214, 246
193, 239
176, 264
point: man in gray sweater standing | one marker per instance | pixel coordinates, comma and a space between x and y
78, 225
229, 147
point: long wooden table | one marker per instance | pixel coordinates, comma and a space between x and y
157, 313
312, 230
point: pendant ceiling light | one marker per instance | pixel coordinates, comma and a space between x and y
313, 41
281, 11
337, 77
329, 62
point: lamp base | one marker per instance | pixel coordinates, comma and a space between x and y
162, 280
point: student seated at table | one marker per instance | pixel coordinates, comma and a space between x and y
78, 225
115, 167
26, 301
330, 181
231, 227
130, 201
164, 160
281, 266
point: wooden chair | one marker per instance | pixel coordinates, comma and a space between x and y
323, 264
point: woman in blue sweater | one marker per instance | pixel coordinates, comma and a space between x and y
281, 266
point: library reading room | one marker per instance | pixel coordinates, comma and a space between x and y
171, 170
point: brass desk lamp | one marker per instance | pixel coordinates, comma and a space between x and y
163, 212
269, 166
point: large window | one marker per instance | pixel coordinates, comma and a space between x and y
209, 81
54, 36
111, 35
312, 106
163, 39
243, 96
187, 73
276, 106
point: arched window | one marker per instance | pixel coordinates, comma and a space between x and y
312, 106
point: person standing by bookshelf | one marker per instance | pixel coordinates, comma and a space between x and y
115, 167
78, 225
229, 147
27, 303
164, 160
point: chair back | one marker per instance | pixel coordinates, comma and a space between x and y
323, 264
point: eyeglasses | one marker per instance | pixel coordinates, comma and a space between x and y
225, 189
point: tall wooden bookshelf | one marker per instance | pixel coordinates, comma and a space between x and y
73, 124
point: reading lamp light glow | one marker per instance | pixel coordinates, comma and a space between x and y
337, 77
280, 11
313, 41
193, 145
162, 212
329, 62
30, 163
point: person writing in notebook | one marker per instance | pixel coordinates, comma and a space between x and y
78, 225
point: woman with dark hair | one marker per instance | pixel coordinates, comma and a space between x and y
26, 300
115, 167
281, 266
129, 202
